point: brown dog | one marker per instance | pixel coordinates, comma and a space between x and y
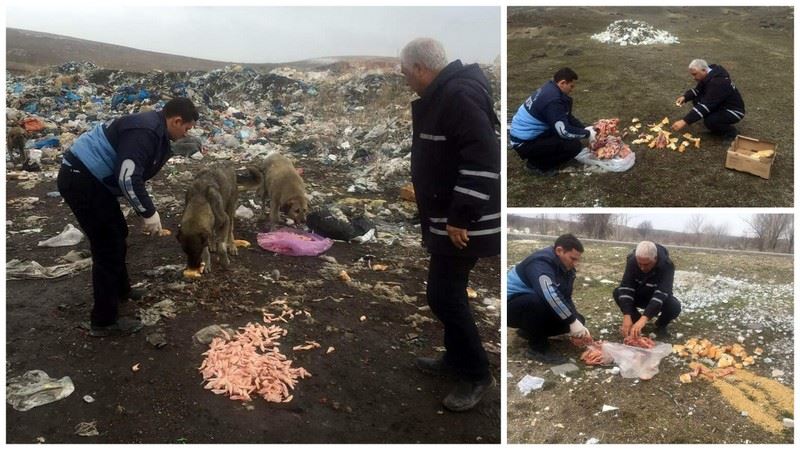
277, 179
208, 219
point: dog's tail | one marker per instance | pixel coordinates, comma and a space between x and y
249, 178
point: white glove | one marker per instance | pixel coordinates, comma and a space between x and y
592, 133
577, 330
152, 224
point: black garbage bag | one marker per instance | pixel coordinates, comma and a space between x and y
329, 224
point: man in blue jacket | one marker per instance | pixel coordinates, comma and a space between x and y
455, 169
113, 160
539, 298
544, 132
716, 100
647, 284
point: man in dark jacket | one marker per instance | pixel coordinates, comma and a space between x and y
113, 160
647, 284
544, 132
716, 100
455, 169
539, 297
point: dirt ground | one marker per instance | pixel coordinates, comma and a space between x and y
724, 296
366, 391
754, 44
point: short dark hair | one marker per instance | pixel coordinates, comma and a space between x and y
181, 106
568, 242
565, 74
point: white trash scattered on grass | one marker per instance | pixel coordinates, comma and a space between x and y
634, 32
529, 384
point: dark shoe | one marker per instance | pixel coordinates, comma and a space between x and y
545, 355
539, 172
134, 294
124, 326
467, 394
523, 334
433, 366
662, 333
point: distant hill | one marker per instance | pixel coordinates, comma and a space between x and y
29, 51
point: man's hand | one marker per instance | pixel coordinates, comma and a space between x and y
458, 236
636, 329
578, 331
677, 126
152, 224
680, 101
592, 134
627, 323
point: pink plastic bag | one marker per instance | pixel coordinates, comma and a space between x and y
294, 243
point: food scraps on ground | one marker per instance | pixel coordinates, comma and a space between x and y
344, 276
724, 355
472, 293
608, 142
307, 346
659, 136
251, 363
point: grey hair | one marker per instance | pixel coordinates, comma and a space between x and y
426, 52
699, 64
647, 250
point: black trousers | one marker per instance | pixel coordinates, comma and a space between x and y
448, 277
669, 310
536, 318
546, 153
721, 122
101, 219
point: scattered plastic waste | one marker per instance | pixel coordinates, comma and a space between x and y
70, 236
529, 384
35, 388
294, 243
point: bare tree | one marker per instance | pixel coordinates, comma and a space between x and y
694, 226
644, 228
714, 235
620, 222
769, 228
543, 224
597, 226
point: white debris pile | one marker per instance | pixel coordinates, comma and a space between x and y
633, 32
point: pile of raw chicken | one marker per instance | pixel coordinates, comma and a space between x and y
593, 355
724, 355
660, 136
251, 363
608, 142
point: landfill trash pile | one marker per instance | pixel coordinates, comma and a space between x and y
634, 32
659, 136
608, 142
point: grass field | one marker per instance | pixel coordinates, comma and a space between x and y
754, 44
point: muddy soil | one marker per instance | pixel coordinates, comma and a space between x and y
364, 391
642, 82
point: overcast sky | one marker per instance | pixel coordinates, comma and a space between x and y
258, 34
676, 221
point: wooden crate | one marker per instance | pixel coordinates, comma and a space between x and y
739, 156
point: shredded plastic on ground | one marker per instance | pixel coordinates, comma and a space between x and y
250, 363
634, 32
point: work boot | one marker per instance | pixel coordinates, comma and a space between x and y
543, 353
467, 394
523, 334
433, 366
539, 172
122, 327
662, 333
